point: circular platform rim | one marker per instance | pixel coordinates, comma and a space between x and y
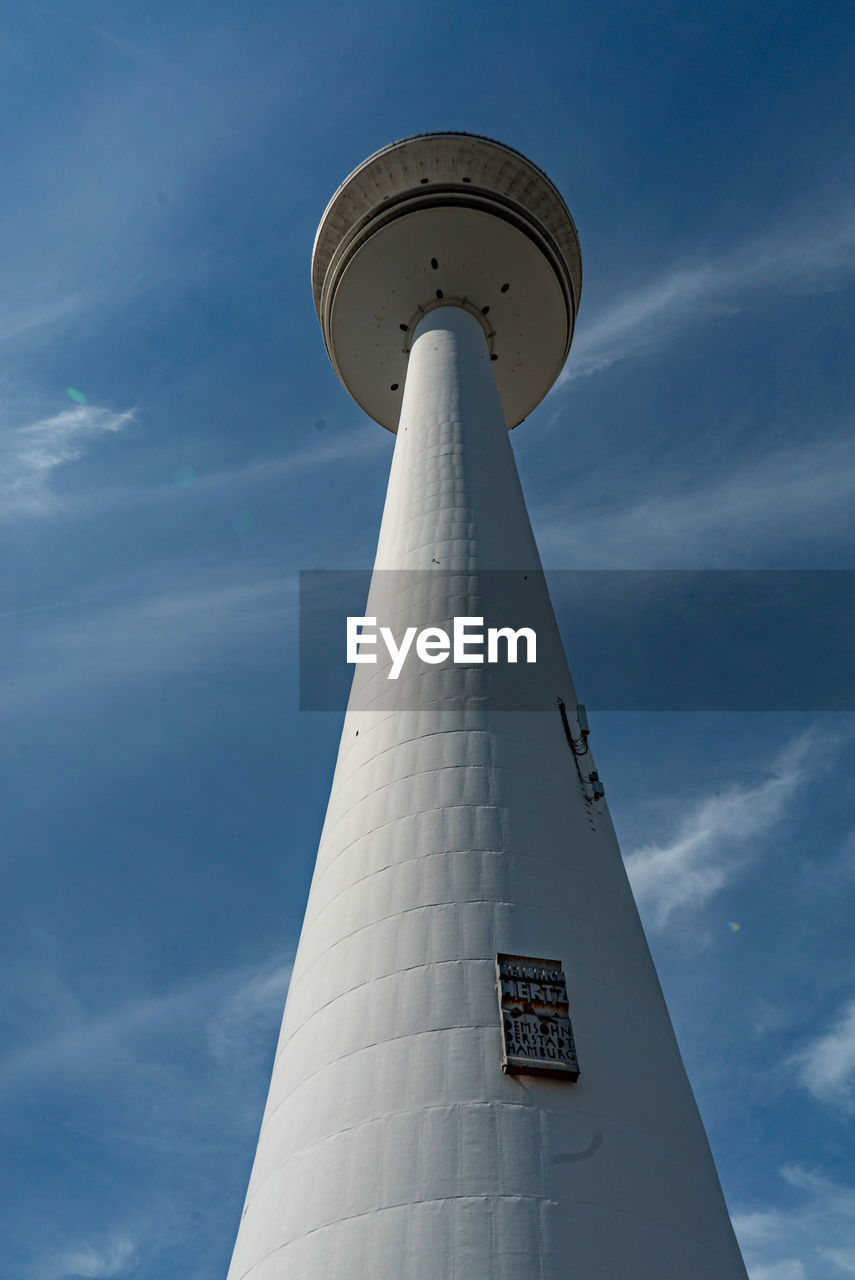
481, 174
574, 270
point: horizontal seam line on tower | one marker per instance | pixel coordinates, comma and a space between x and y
428, 906
558, 782
500, 808
382, 689
608, 1047
615, 1209
393, 1115
654, 1137
487, 730
658, 1017
410, 968
406, 1204
608, 891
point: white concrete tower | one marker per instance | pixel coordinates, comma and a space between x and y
425, 1121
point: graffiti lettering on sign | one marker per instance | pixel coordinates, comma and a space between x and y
536, 1032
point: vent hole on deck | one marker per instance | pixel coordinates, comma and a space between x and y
467, 179
423, 181
504, 288
484, 310
494, 356
394, 386
434, 264
439, 293
403, 327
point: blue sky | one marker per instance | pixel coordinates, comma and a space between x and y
165, 167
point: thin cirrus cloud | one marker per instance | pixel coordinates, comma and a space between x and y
807, 256
30, 454
826, 1066
189, 1059
243, 1012
717, 839
356, 445
105, 1260
147, 629
787, 1269
811, 1237
25, 315
797, 495
91, 1047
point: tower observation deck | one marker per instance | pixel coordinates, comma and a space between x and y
476, 1077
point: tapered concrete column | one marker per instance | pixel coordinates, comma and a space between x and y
454, 499
393, 1144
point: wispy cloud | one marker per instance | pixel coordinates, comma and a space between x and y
229, 1007
150, 625
785, 1269
30, 314
810, 1238
30, 454
363, 441
843, 1259
808, 256
103, 1261
826, 1067
641, 321
784, 500
168, 1082
257, 998
717, 840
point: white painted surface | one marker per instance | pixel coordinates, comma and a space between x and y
392, 1145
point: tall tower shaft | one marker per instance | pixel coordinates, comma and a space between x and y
402, 1136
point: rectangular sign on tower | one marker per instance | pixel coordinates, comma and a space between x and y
535, 1013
